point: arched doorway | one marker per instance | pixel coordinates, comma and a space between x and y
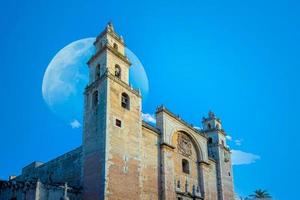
186, 160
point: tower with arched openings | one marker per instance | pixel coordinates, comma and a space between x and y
124, 157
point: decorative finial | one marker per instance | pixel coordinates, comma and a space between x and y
211, 114
110, 26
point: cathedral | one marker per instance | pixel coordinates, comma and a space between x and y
124, 157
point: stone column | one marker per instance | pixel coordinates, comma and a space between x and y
203, 179
167, 172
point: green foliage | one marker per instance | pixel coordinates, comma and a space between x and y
260, 194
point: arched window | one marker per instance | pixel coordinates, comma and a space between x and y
118, 71
209, 126
178, 184
194, 189
210, 140
125, 101
115, 46
97, 73
198, 189
185, 166
95, 98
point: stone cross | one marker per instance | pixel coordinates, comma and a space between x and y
65, 187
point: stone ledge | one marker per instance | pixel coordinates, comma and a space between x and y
167, 145
202, 162
149, 126
164, 109
107, 74
111, 49
111, 33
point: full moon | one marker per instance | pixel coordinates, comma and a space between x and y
67, 75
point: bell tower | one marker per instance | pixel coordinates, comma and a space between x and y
218, 150
112, 124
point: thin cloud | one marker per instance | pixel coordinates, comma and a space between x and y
238, 142
243, 158
75, 124
149, 118
228, 137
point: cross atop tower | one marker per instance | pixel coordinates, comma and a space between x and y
211, 122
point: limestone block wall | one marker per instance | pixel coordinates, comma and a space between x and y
36, 190
110, 39
210, 180
65, 168
18, 190
185, 182
169, 124
167, 173
150, 170
94, 141
112, 60
124, 144
101, 60
226, 174
54, 192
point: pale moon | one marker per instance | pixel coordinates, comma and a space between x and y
67, 75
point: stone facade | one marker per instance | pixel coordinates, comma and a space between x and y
123, 157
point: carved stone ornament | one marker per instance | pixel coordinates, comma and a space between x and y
184, 145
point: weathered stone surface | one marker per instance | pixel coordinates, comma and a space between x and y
121, 156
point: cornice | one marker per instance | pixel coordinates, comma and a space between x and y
113, 77
111, 33
152, 128
212, 159
111, 49
203, 163
222, 131
167, 145
96, 82
209, 118
107, 74
176, 117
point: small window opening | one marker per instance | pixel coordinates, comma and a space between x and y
178, 184
222, 141
125, 101
97, 71
118, 123
209, 126
118, 71
210, 140
229, 174
95, 98
185, 166
115, 46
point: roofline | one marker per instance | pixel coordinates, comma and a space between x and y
150, 127
164, 109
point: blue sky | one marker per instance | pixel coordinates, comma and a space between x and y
237, 58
